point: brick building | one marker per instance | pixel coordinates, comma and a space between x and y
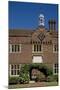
34, 46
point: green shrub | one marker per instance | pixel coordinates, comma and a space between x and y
24, 74
52, 78
13, 80
55, 77
24, 79
46, 70
43, 68
40, 77
49, 79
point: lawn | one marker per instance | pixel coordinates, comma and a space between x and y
51, 83
38, 84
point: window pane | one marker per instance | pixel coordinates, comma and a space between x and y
55, 47
13, 48
17, 66
12, 66
18, 48
18, 72
12, 72
39, 47
34, 47
56, 68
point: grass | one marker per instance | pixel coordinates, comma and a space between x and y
51, 83
37, 84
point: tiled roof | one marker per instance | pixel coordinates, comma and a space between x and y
20, 32
27, 33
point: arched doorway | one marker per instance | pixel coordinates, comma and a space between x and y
34, 71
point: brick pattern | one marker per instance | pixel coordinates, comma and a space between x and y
26, 42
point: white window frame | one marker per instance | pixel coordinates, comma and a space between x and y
54, 48
15, 69
36, 48
10, 48
54, 69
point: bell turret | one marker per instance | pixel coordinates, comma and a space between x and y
41, 20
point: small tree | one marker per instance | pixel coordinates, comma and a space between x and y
24, 74
40, 77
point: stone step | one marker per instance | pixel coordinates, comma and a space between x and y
31, 81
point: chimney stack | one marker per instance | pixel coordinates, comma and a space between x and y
52, 25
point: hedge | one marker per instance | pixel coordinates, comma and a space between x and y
13, 80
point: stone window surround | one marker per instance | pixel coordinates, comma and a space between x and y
55, 68
55, 50
10, 69
10, 47
37, 51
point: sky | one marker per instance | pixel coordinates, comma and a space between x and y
23, 15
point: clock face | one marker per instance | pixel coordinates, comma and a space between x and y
41, 36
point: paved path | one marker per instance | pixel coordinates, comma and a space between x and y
36, 84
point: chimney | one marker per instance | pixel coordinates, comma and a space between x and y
52, 25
